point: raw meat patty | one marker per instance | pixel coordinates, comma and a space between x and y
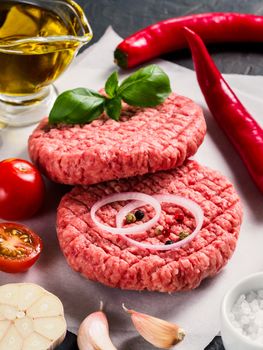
109, 259
145, 141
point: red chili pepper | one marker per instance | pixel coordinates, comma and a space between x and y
240, 127
166, 36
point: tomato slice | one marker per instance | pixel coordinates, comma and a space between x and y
20, 247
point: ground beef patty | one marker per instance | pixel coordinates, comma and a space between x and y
109, 259
146, 140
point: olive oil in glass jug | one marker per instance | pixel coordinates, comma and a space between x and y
38, 41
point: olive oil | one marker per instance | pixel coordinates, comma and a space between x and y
26, 66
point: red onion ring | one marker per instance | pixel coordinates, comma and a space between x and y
186, 203
142, 197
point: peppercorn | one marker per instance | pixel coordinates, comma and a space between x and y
168, 242
183, 235
159, 230
179, 217
166, 231
139, 214
130, 218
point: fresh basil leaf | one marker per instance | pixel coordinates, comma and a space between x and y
111, 85
147, 87
113, 108
77, 106
86, 92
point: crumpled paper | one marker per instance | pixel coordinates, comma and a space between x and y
197, 311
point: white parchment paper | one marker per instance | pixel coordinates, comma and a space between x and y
197, 311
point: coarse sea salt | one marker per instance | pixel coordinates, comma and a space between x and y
247, 315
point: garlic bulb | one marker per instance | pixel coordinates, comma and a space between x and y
160, 333
93, 333
31, 318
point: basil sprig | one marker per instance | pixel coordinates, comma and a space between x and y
147, 87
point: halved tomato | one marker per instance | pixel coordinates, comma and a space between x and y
20, 247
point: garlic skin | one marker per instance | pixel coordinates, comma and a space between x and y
158, 332
93, 333
31, 318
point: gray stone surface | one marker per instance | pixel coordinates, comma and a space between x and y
128, 16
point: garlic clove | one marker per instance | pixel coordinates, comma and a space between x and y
50, 327
7, 312
36, 342
158, 332
28, 294
12, 340
24, 326
4, 325
47, 306
93, 333
9, 296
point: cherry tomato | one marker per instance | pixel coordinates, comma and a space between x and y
19, 247
21, 189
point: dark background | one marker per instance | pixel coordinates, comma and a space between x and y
128, 16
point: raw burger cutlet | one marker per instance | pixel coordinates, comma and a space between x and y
146, 140
109, 259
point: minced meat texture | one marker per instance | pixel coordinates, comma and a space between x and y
145, 140
111, 260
